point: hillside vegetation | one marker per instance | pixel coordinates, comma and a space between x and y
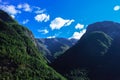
19, 57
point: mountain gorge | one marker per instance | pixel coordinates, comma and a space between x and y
95, 56
19, 57
54, 47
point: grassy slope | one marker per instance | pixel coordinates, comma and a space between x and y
19, 57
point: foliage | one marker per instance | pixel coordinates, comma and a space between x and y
19, 57
77, 74
96, 43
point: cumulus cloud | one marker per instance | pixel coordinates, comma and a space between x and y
11, 9
79, 26
51, 37
116, 8
42, 17
45, 31
78, 35
59, 22
25, 21
25, 7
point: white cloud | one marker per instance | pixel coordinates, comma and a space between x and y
69, 22
19, 6
11, 9
116, 8
78, 35
42, 17
13, 16
51, 37
25, 21
38, 10
79, 26
59, 22
45, 31
25, 7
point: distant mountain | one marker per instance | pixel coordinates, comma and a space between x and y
53, 47
19, 56
96, 56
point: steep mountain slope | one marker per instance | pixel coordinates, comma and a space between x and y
54, 47
19, 57
96, 55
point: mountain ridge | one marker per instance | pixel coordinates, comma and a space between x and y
54, 47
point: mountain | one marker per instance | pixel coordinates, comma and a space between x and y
54, 47
19, 56
95, 56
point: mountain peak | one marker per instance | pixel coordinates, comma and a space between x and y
109, 27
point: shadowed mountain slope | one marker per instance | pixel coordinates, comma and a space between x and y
96, 54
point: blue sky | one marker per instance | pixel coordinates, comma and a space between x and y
61, 18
